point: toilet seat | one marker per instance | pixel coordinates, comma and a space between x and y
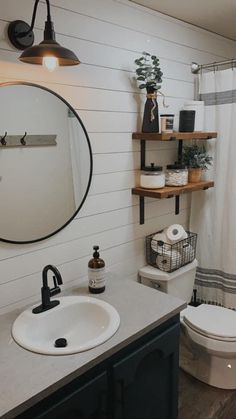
211, 327
212, 321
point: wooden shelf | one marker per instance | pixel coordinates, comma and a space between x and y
170, 191
154, 136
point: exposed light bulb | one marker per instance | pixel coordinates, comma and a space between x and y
50, 63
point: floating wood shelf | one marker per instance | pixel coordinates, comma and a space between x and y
154, 136
170, 191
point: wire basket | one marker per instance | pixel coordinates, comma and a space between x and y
170, 257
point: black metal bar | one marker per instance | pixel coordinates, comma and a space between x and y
143, 154
180, 151
177, 205
141, 209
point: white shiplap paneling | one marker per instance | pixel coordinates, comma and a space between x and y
107, 35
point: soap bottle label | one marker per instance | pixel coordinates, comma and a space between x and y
96, 277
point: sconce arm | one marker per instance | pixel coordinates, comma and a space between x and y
23, 34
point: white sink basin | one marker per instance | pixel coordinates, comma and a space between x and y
84, 322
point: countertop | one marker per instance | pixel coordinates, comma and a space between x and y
27, 377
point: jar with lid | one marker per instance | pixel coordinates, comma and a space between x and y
152, 177
176, 175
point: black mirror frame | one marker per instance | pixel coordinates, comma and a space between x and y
22, 83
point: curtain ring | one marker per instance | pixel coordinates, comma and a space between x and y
22, 140
3, 139
215, 66
232, 64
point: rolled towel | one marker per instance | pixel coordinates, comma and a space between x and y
168, 260
175, 233
159, 237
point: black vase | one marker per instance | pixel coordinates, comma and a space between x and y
150, 116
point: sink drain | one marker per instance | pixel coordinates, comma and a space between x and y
60, 343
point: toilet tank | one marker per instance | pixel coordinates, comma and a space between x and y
179, 283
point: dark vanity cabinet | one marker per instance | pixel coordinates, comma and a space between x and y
145, 381
87, 401
139, 382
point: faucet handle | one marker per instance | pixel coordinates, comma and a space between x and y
56, 290
57, 280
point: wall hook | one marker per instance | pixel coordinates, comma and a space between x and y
3, 139
22, 140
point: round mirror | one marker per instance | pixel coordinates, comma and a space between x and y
45, 163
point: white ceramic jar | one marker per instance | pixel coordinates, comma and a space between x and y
176, 175
152, 177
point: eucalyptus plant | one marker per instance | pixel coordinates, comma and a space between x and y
148, 72
195, 156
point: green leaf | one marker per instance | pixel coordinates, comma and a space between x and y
141, 78
142, 86
139, 71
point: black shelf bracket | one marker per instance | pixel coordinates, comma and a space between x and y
143, 154
180, 151
141, 210
177, 205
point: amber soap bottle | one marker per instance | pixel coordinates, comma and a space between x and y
96, 273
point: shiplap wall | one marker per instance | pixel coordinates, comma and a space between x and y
107, 35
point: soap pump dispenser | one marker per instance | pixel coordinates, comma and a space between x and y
96, 273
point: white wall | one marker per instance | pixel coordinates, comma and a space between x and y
107, 35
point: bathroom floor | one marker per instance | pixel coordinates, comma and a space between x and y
200, 401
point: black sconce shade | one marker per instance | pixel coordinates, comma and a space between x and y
35, 54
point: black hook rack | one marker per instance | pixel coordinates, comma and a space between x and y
22, 140
3, 139
39, 140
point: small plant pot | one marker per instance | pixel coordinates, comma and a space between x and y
194, 175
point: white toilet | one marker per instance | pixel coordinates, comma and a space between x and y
208, 332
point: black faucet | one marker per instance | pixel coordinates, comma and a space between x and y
47, 292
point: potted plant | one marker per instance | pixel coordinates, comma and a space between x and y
195, 157
149, 77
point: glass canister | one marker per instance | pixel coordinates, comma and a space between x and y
152, 177
176, 175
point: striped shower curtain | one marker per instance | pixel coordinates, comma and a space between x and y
213, 213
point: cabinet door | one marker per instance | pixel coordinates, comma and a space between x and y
87, 402
146, 381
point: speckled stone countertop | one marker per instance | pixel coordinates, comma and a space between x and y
26, 377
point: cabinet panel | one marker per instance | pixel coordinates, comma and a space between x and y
87, 402
145, 382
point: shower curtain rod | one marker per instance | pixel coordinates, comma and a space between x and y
195, 67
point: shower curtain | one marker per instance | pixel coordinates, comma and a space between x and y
213, 213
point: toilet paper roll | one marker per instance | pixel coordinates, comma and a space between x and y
175, 233
159, 237
168, 261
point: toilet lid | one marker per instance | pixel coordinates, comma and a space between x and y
212, 321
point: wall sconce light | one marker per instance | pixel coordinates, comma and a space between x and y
48, 53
